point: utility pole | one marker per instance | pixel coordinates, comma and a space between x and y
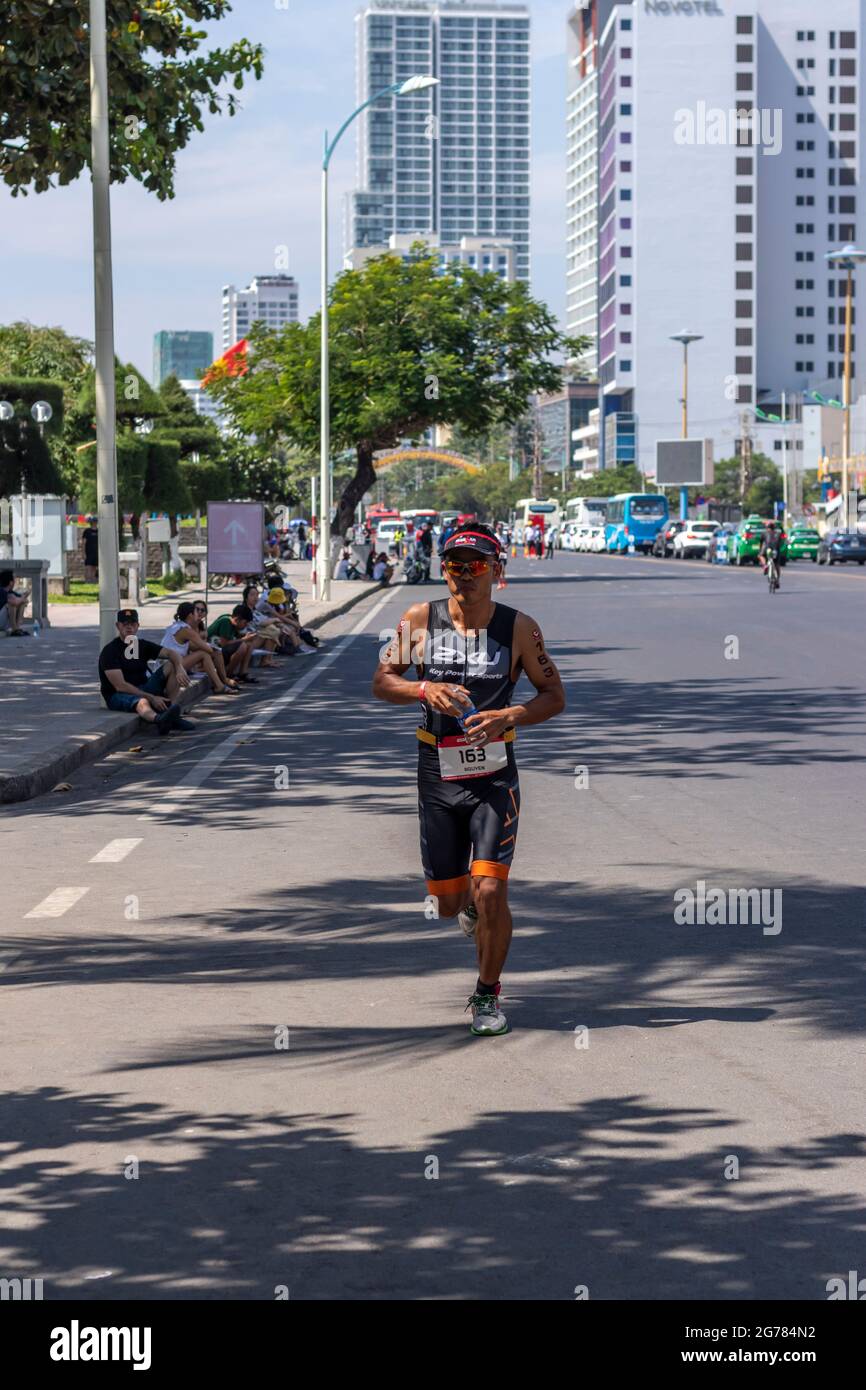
745, 457
537, 480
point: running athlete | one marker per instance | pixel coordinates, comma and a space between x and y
468, 653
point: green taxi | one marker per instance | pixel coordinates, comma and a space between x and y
803, 543
747, 541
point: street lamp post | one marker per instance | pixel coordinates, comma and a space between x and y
323, 554
685, 339
106, 461
847, 259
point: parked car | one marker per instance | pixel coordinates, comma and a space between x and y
721, 545
838, 546
570, 536
663, 543
747, 541
803, 543
693, 539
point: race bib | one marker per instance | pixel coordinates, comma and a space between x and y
459, 758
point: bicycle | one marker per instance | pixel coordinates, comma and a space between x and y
772, 572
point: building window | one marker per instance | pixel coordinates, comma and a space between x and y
625, 279
743, 366
625, 337
625, 224
745, 165
625, 166
625, 109
847, 39
744, 251
744, 279
744, 224
625, 251
625, 195
744, 337
625, 308
745, 53
625, 366
625, 24
625, 53
744, 193
744, 24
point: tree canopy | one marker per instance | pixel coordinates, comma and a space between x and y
411, 347
161, 74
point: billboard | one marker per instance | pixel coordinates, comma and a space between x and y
684, 462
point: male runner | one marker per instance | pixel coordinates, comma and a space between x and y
469, 651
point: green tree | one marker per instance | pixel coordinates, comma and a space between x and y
763, 484
163, 77
204, 468
411, 348
25, 455
50, 353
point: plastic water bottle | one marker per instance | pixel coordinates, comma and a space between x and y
37, 628
461, 718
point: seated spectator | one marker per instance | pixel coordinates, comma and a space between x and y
382, 570
12, 606
347, 569
236, 640
271, 611
219, 659
183, 637
269, 635
127, 683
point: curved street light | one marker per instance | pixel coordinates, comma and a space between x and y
418, 83
847, 258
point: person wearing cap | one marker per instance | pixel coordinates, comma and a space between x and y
128, 683
271, 612
468, 652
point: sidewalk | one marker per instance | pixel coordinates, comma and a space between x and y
52, 718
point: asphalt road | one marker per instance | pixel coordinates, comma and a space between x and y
714, 734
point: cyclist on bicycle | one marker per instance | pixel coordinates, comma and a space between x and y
771, 544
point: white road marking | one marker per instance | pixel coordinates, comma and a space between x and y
114, 851
57, 902
218, 755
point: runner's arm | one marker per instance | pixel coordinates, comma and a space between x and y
389, 682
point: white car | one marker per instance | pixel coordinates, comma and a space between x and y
570, 534
694, 538
597, 541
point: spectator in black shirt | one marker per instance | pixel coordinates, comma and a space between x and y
90, 541
127, 683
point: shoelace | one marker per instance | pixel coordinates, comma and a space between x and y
485, 1002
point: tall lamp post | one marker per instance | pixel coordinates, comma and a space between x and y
106, 459
847, 259
685, 339
323, 554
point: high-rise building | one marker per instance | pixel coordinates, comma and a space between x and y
582, 178
490, 255
268, 299
727, 167
453, 159
186, 355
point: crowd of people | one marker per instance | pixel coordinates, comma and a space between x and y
145, 677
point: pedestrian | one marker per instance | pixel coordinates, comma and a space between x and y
90, 545
550, 538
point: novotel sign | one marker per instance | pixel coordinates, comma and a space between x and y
682, 7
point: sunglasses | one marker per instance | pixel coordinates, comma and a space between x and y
467, 567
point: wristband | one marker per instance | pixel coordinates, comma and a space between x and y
421, 689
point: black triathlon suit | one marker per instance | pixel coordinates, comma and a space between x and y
467, 825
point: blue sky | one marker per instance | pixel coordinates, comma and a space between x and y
249, 184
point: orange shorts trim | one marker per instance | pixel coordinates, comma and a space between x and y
488, 868
438, 886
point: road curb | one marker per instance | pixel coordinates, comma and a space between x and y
94, 743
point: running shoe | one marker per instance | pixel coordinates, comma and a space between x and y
468, 920
487, 1018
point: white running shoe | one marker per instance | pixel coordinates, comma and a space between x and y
487, 1017
468, 920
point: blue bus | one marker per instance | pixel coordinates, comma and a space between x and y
634, 517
